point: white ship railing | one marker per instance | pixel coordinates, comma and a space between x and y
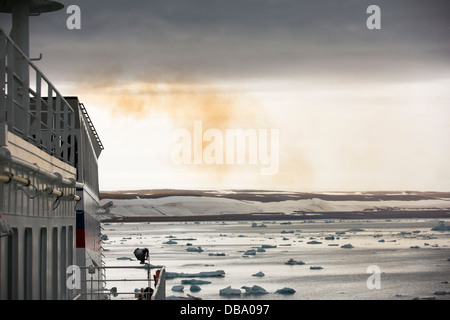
156, 281
31, 106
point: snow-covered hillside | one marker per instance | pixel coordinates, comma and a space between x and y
235, 203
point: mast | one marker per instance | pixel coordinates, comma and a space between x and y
21, 11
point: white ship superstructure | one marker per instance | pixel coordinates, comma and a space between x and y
49, 193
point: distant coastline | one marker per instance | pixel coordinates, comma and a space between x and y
178, 205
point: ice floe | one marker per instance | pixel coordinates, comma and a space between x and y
194, 288
228, 291
315, 268
250, 252
285, 290
178, 288
256, 290
194, 249
294, 262
203, 274
441, 227
195, 281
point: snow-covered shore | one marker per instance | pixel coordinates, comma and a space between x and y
264, 203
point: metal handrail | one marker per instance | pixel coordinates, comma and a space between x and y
158, 290
45, 119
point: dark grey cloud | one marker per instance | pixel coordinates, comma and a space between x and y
229, 39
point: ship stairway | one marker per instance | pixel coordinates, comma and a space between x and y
91, 125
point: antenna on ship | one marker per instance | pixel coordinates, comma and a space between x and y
21, 10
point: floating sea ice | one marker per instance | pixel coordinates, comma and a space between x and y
254, 290
204, 274
250, 252
285, 290
293, 262
195, 288
255, 225
192, 249
188, 297
441, 227
228, 291
178, 288
315, 268
195, 281
170, 242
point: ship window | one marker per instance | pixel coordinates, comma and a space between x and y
54, 272
43, 264
70, 246
63, 262
13, 278
28, 264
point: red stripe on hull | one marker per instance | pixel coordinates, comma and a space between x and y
87, 240
81, 242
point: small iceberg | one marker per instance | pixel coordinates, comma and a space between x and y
255, 225
178, 288
285, 290
254, 290
441, 227
170, 242
355, 230
228, 291
192, 249
188, 297
315, 268
124, 258
250, 252
195, 281
195, 288
292, 262
204, 274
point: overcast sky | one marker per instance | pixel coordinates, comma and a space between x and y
356, 109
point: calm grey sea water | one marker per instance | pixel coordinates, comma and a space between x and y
412, 259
